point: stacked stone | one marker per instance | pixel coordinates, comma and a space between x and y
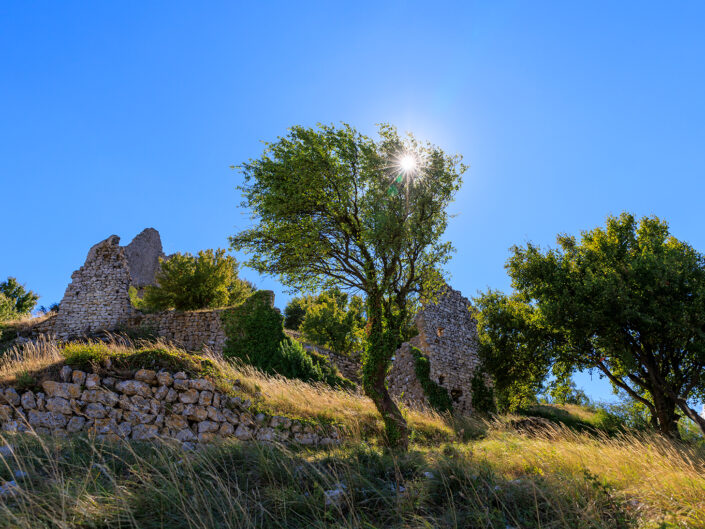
150, 405
448, 337
192, 330
97, 297
402, 381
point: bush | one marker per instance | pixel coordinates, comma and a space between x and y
188, 282
482, 393
15, 300
255, 335
294, 313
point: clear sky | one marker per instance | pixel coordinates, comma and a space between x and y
116, 116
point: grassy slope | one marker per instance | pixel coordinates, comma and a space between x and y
499, 479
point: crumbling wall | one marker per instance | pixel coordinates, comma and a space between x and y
144, 405
448, 337
97, 297
143, 255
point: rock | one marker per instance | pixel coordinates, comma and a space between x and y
280, 422
265, 434
205, 398
260, 418
181, 385
180, 376
11, 397
138, 417
109, 382
243, 433
78, 377
189, 397
92, 381
306, 439
161, 392
115, 414
142, 432
171, 396
65, 373
146, 375
75, 424
20, 474
165, 379
143, 255
133, 387
139, 403
29, 402
208, 426
41, 401
206, 437
226, 429
59, 405
124, 429
5, 412
46, 419
201, 384
195, 413
108, 398
185, 435
335, 496
95, 410
6, 451
9, 488
177, 422
231, 416
61, 389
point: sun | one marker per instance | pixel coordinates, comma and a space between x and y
407, 163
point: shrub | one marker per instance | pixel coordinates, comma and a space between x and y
437, 395
294, 313
255, 335
482, 393
188, 282
17, 299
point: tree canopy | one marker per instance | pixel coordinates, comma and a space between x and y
190, 282
627, 299
334, 208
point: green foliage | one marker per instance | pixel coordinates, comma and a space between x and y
15, 300
334, 320
332, 207
188, 282
437, 395
627, 299
294, 313
482, 393
255, 335
513, 349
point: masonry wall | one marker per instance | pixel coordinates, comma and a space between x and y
191, 330
97, 297
448, 337
147, 405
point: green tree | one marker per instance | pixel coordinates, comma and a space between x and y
332, 207
294, 312
7, 308
628, 300
188, 282
22, 300
335, 320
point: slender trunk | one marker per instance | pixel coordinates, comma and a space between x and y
693, 415
374, 373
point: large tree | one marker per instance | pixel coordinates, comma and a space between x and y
17, 301
332, 207
628, 300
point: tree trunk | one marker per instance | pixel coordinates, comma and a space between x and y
375, 366
692, 415
666, 415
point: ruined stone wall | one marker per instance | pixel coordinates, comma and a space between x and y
147, 405
402, 381
97, 297
191, 330
448, 337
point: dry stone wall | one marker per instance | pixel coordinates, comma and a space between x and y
448, 337
191, 330
147, 405
97, 297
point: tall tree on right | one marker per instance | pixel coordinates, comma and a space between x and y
628, 299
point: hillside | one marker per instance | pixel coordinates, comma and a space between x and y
457, 473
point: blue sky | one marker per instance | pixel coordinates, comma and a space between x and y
116, 116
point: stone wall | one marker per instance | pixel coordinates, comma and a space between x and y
147, 405
448, 337
97, 297
191, 330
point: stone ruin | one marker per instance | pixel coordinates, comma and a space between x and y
97, 299
448, 338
